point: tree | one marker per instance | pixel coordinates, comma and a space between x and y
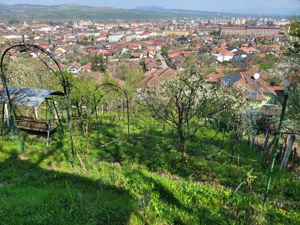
13, 21
82, 92
190, 62
205, 49
288, 71
125, 71
132, 81
143, 65
251, 23
164, 50
185, 104
229, 116
98, 63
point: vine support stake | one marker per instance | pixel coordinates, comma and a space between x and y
276, 148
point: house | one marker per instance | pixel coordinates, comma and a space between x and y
274, 47
152, 64
258, 92
207, 40
44, 46
246, 31
87, 68
154, 79
133, 46
175, 32
132, 37
74, 68
115, 38
173, 53
152, 50
59, 51
231, 79
145, 35
239, 55
279, 90
214, 77
249, 50
223, 55
182, 40
176, 53
196, 46
179, 63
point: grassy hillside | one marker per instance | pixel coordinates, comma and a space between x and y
72, 12
139, 180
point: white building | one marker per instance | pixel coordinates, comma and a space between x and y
115, 37
223, 58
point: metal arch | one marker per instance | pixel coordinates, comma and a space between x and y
117, 88
97, 101
64, 82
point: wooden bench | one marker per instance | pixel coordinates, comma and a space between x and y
29, 124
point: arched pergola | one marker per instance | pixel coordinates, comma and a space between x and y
116, 88
30, 48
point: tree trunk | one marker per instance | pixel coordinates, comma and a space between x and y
266, 144
288, 150
79, 111
181, 134
182, 144
252, 143
295, 158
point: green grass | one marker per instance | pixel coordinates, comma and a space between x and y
139, 180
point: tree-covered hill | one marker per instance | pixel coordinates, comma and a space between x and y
70, 12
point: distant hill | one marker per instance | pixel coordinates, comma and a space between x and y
71, 12
3, 6
150, 8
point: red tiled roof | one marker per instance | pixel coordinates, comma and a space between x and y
277, 88
75, 64
132, 44
214, 77
153, 79
144, 33
45, 46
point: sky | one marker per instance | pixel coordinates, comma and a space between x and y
244, 6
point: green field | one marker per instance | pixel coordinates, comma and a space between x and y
140, 179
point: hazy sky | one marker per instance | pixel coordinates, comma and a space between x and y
208, 5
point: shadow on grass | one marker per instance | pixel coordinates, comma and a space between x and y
32, 195
152, 148
175, 199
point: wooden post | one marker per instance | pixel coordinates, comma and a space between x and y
58, 117
266, 144
6, 115
48, 118
288, 150
36, 114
